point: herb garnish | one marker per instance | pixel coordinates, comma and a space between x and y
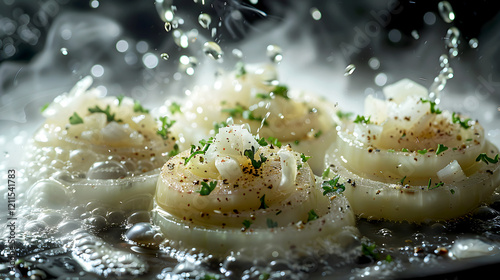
174, 108
271, 223
274, 141
455, 118
206, 189
165, 125
437, 185
109, 117
344, 115
200, 150
362, 119
487, 159
250, 153
218, 126
138, 108
240, 69
263, 204
246, 223
44, 107
325, 173
402, 180
434, 109
311, 215
441, 148
240, 110
75, 119
120, 99
332, 186
422, 152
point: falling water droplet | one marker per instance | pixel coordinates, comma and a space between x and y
446, 11
164, 56
212, 50
349, 69
168, 26
415, 35
237, 53
188, 64
315, 13
443, 60
64, 51
274, 53
473, 43
204, 20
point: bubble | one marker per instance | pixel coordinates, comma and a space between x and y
381, 79
349, 69
164, 56
97, 70
144, 234
446, 11
94, 4
204, 20
429, 18
473, 43
122, 46
150, 60
394, 35
315, 13
374, 63
212, 50
64, 51
107, 170
168, 26
274, 53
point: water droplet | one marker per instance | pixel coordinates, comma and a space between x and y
181, 39
315, 13
64, 51
452, 38
349, 69
94, 4
446, 11
188, 64
443, 60
381, 79
164, 56
274, 53
107, 170
415, 35
212, 50
374, 63
204, 20
473, 43
168, 26
237, 53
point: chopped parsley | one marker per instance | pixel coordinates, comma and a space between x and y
174, 108
311, 215
240, 69
44, 107
262, 141
404, 150
402, 180
455, 118
109, 117
218, 126
246, 114
390, 150
437, 185
138, 108
250, 153
325, 173
279, 90
486, 159
263, 204
332, 186
175, 151
274, 141
344, 115
441, 148
304, 157
318, 134
120, 99
165, 125
206, 189
75, 119
362, 119
434, 109
271, 224
247, 224
422, 152
200, 150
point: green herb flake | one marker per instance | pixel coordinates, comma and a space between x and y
390, 150
422, 152
174, 108
250, 153
441, 148
262, 141
207, 188
271, 224
304, 157
452, 191
311, 215
404, 150
138, 108
437, 185
240, 69
165, 125
199, 150
325, 173
109, 117
402, 180
455, 118
318, 134
75, 119
44, 107
120, 99
483, 157
434, 109
280, 90
218, 126
263, 204
332, 186
344, 115
362, 119
247, 224
369, 251
274, 141
241, 111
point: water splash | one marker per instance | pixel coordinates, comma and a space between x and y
349, 69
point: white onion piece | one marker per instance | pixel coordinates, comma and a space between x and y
301, 118
259, 196
396, 170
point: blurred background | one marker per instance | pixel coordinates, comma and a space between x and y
342, 49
